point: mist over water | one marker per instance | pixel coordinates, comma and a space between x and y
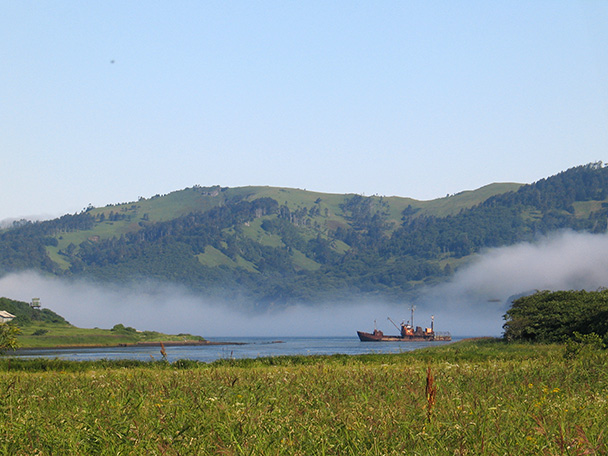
470, 304
174, 309
479, 292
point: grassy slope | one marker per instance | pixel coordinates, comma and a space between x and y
45, 328
182, 202
59, 335
175, 204
485, 397
451, 205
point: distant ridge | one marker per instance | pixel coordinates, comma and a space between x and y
276, 246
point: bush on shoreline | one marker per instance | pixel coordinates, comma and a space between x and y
548, 316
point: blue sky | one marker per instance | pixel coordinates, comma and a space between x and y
105, 101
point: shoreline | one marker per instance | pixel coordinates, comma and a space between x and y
171, 343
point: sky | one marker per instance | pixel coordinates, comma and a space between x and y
105, 102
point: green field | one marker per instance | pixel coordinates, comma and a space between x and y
481, 397
43, 328
46, 335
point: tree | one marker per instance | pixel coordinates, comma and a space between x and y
8, 337
554, 316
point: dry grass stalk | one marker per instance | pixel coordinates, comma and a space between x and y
430, 390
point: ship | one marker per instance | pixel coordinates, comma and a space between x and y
407, 333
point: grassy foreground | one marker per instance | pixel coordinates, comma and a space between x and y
470, 398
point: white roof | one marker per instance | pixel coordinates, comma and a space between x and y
5, 314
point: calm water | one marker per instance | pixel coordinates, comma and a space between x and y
253, 347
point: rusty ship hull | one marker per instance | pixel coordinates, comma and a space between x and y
371, 337
408, 333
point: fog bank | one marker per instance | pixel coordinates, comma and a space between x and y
173, 309
471, 303
565, 260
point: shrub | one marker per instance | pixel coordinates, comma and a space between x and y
8, 337
123, 329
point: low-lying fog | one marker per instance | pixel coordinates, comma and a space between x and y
471, 304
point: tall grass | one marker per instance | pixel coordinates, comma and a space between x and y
524, 400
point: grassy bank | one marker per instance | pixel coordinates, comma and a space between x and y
50, 335
485, 397
43, 328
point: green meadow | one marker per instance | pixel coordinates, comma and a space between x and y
475, 397
50, 335
43, 328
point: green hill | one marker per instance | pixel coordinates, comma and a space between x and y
280, 245
119, 220
44, 328
27, 315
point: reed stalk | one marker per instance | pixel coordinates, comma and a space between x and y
430, 390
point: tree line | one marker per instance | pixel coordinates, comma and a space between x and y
365, 255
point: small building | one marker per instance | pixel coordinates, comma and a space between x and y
5, 316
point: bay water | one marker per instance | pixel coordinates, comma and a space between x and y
235, 348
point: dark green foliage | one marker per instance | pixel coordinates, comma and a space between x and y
120, 328
25, 314
23, 247
556, 316
8, 337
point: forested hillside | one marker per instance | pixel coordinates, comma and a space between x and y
284, 245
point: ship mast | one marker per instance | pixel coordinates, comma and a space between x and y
412, 320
